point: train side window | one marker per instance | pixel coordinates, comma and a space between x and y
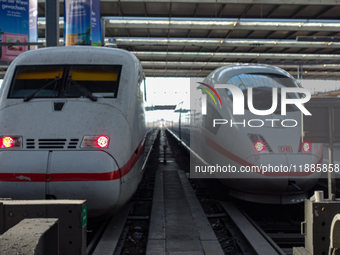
141, 85
144, 87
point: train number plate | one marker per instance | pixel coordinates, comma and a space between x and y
285, 149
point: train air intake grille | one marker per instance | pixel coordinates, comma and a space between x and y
52, 144
73, 143
30, 144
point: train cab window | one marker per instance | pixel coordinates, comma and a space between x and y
262, 85
44, 81
100, 81
70, 81
244, 81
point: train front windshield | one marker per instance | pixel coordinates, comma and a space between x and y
66, 81
262, 85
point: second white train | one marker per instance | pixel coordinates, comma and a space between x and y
271, 161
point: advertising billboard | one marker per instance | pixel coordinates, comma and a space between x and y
18, 24
97, 39
77, 22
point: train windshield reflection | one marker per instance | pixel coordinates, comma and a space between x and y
54, 81
262, 85
248, 80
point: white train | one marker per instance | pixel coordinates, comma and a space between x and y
72, 126
266, 151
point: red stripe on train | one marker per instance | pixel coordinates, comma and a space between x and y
243, 162
69, 177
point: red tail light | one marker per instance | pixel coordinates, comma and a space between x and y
306, 147
100, 141
9, 142
259, 146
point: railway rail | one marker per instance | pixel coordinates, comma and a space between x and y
210, 221
127, 230
278, 226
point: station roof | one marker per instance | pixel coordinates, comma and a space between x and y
193, 37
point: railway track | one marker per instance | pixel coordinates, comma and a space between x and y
278, 226
219, 224
249, 228
126, 232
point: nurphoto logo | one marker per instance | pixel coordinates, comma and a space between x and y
238, 99
238, 105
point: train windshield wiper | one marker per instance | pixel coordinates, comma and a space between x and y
55, 80
82, 89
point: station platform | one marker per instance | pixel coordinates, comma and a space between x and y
178, 224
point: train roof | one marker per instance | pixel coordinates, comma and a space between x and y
75, 55
223, 74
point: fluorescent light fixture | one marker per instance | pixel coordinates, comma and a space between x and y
205, 23
215, 23
215, 42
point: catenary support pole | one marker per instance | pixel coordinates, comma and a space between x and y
52, 23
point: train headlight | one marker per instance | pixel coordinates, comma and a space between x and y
101, 141
259, 146
10, 141
306, 147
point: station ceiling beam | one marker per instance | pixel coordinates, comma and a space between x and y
204, 73
206, 42
176, 72
190, 72
214, 24
187, 64
271, 2
235, 55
